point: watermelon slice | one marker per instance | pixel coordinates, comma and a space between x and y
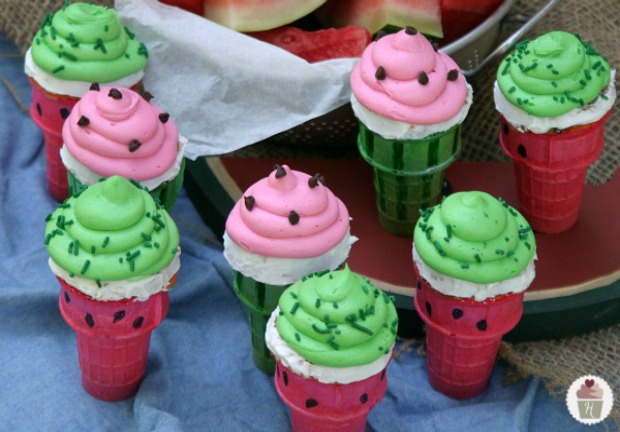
424, 15
460, 16
318, 45
257, 15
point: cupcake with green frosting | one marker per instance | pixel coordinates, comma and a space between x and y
554, 94
116, 254
332, 336
474, 258
74, 47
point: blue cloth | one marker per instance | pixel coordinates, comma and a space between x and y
200, 375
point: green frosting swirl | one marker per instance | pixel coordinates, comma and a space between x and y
111, 231
474, 237
84, 42
337, 319
553, 74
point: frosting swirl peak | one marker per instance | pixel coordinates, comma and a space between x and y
474, 237
115, 131
289, 214
337, 319
553, 74
402, 77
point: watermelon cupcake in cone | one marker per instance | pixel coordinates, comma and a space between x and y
116, 255
474, 258
410, 101
116, 131
74, 47
554, 95
285, 227
332, 336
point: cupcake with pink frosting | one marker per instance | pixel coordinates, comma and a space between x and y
117, 131
285, 227
410, 100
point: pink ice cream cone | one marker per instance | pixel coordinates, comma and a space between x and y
317, 406
113, 339
463, 337
551, 172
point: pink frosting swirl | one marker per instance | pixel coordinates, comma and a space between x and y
288, 216
402, 77
115, 131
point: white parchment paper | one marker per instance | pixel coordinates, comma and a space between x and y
226, 90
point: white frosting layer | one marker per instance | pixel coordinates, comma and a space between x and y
325, 374
118, 290
393, 129
459, 288
76, 89
88, 177
284, 271
523, 122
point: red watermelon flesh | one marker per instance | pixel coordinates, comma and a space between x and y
318, 45
461, 16
424, 15
257, 15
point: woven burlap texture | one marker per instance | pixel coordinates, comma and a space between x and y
558, 363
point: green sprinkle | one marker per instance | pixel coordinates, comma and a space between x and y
58, 69
464, 265
99, 45
47, 239
317, 303
505, 69
527, 245
145, 236
319, 330
555, 72
147, 245
477, 258
106, 240
294, 308
330, 339
130, 35
362, 328
132, 265
293, 294
92, 249
297, 337
60, 222
120, 260
362, 314
143, 51
49, 217
499, 252
449, 230
334, 345
76, 247
512, 90
335, 305
587, 74
98, 282
596, 65
604, 96
85, 267
351, 318
106, 28
439, 248
69, 56
554, 84
365, 289
157, 221
133, 255
156, 244
70, 249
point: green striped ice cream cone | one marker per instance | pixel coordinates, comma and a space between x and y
261, 299
408, 174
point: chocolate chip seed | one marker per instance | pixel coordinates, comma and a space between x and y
249, 202
119, 316
147, 96
89, 320
115, 94
457, 313
423, 78
364, 398
482, 325
83, 121
138, 322
453, 75
429, 309
315, 180
134, 145
95, 87
64, 113
293, 217
380, 73
411, 30
311, 403
163, 117
280, 171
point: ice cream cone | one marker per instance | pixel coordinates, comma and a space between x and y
261, 299
113, 339
408, 174
551, 172
463, 337
317, 406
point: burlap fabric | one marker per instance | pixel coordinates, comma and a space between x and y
558, 363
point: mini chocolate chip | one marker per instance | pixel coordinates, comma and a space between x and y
95, 86
315, 180
453, 75
423, 78
38, 109
364, 398
293, 217
506, 129
83, 121
285, 377
164, 117
311, 403
147, 96
64, 113
280, 171
380, 73
134, 145
115, 94
119, 316
522, 150
482, 325
411, 30
89, 320
457, 313
249, 202
67, 298
138, 322
429, 309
